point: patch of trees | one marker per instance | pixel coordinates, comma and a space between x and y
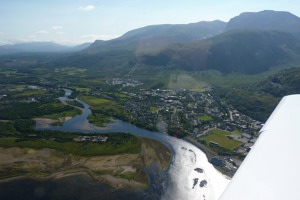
24, 125
29, 110
7, 128
285, 82
248, 100
177, 132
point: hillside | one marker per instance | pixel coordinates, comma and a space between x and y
252, 43
39, 47
155, 37
251, 51
284, 83
125, 51
245, 51
258, 100
265, 20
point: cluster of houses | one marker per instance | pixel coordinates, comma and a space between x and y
95, 139
171, 108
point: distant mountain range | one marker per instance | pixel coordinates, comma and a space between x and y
152, 38
249, 43
34, 47
252, 42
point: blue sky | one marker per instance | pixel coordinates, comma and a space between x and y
79, 21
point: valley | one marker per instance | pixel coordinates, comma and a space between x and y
157, 105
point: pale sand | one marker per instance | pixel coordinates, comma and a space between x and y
48, 163
43, 122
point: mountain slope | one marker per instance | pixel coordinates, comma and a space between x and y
123, 52
252, 43
265, 20
40, 47
283, 83
251, 51
156, 37
235, 51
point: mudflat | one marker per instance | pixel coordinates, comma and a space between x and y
120, 171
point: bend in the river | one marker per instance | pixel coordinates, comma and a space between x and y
189, 176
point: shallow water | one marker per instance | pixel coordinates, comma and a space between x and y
73, 187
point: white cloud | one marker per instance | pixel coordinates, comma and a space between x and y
87, 8
56, 27
42, 32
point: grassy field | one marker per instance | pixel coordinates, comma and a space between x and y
31, 93
95, 102
179, 80
228, 80
71, 71
81, 89
106, 107
118, 95
55, 116
103, 109
220, 132
205, 118
220, 137
153, 109
98, 119
237, 132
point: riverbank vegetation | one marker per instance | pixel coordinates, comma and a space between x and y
49, 108
117, 143
103, 109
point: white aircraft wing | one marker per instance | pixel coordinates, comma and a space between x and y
271, 170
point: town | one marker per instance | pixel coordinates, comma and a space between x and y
200, 117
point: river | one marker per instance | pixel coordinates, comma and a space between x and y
190, 175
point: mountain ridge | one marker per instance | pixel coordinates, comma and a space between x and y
265, 20
37, 47
249, 43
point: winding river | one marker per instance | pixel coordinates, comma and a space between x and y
190, 175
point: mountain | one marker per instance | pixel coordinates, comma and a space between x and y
249, 43
125, 50
265, 20
44, 47
252, 51
79, 47
252, 43
152, 38
245, 51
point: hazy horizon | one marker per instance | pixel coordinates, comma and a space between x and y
72, 22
